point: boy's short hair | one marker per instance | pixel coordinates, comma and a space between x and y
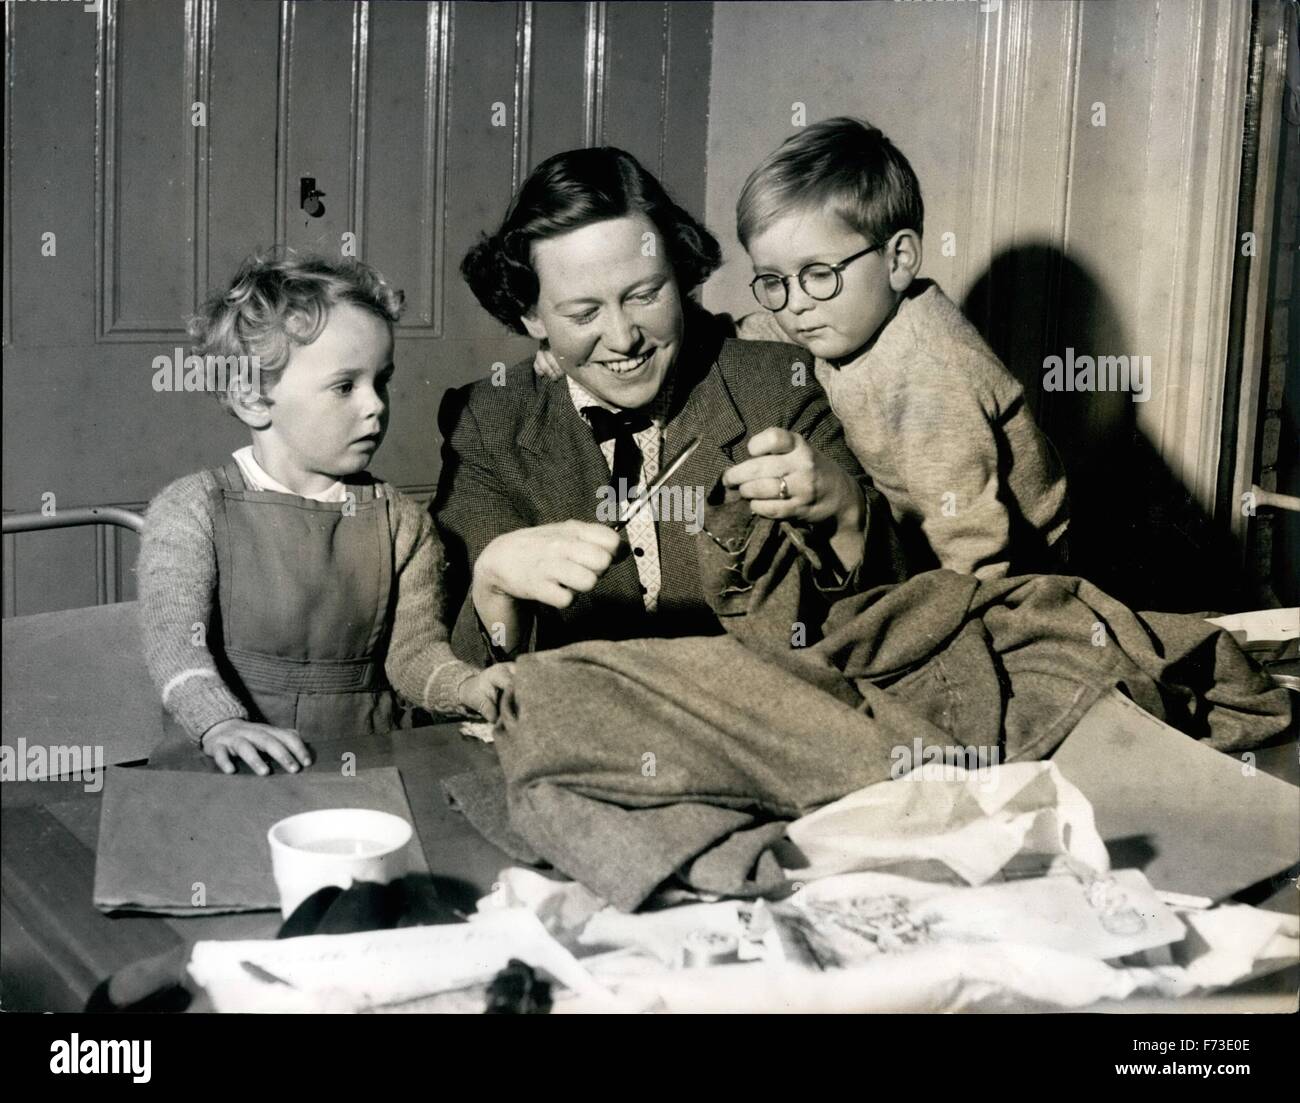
279, 299
841, 164
566, 192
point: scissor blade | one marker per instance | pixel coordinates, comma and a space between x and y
658, 484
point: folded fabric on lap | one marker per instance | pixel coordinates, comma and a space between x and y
626, 762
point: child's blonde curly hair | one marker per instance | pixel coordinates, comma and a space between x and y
279, 299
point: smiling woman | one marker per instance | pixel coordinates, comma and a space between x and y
620, 333
596, 261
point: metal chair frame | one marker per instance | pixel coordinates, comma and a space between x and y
102, 517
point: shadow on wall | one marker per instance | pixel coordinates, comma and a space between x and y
1135, 529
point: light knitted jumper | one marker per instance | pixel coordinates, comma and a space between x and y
942, 428
177, 571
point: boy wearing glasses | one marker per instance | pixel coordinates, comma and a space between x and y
832, 222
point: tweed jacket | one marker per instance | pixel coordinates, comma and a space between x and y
519, 455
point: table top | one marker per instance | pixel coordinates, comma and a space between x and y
58, 946
77, 678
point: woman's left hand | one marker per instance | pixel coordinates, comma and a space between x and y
788, 479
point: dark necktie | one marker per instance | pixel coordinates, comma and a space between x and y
620, 427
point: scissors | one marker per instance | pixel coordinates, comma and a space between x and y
658, 484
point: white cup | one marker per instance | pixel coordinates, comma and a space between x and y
336, 846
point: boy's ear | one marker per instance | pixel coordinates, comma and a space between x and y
534, 324
250, 406
904, 254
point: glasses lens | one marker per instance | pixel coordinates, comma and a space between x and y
769, 291
820, 281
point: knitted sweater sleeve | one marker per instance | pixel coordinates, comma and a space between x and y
420, 664
177, 582
946, 444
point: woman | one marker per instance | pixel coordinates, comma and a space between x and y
594, 259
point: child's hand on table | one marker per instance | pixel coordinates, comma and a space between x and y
246, 739
482, 691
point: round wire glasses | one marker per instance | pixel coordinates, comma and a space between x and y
819, 281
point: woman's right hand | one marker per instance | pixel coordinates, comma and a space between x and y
547, 564
246, 739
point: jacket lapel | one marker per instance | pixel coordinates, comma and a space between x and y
711, 414
563, 470
561, 462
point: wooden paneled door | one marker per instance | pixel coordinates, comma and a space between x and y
151, 144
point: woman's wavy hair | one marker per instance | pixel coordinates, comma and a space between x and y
569, 191
279, 299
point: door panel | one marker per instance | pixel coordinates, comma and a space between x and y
416, 121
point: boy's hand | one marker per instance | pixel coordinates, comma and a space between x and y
545, 364
482, 692
246, 739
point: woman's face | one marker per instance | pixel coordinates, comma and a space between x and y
609, 305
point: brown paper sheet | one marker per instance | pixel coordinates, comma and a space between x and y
1194, 819
162, 832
